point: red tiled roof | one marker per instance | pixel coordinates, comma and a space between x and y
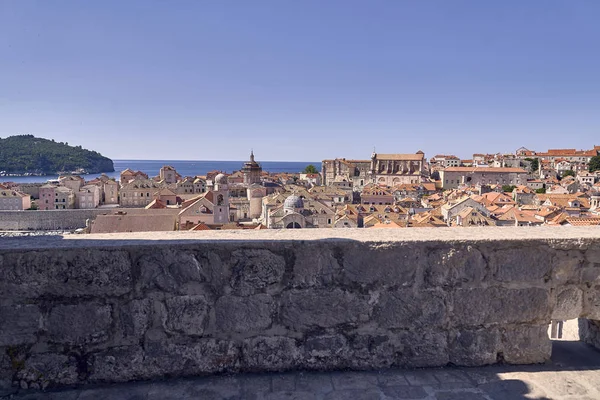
201, 227
583, 221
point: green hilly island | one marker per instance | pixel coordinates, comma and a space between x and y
27, 154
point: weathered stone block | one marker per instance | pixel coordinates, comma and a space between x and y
327, 351
569, 303
243, 314
592, 254
423, 348
135, 317
79, 324
473, 307
370, 351
322, 308
526, 344
590, 276
68, 273
119, 364
187, 315
471, 348
270, 353
387, 264
255, 270
216, 272
169, 270
19, 324
454, 266
49, 369
315, 265
202, 356
404, 349
566, 267
591, 303
521, 264
407, 308
589, 332
6, 374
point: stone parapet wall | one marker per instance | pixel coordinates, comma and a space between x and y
97, 308
49, 220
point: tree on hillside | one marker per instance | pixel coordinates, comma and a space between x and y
535, 164
28, 154
594, 164
568, 172
310, 169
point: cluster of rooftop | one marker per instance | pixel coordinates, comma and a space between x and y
387, 191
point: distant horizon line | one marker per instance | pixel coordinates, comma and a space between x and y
134, 159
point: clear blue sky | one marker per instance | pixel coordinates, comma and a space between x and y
301, 80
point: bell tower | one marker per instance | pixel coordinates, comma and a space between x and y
221, 200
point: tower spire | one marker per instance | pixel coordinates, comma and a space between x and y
252, 155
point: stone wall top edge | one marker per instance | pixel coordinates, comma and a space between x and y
563, 235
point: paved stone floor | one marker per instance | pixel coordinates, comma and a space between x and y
574, 373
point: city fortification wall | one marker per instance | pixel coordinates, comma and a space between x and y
47, 220
107, 308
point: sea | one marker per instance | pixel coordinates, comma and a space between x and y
184, 168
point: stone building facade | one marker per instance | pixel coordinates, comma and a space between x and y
455, 177
47, 195
382, 169
251, 171
342, 170
110, 193
73, 182
396, 169
185, 186
64, 198
292, 211
212, 208
138, 192
11, 200
168, 175
32, 189
128, 175
88, 196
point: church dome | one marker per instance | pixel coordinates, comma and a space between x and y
221, 178
293, 203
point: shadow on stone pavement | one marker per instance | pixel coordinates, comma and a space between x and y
573, 373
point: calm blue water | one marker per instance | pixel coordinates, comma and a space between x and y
185, 168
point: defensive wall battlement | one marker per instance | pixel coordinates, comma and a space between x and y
105, 308
48, 220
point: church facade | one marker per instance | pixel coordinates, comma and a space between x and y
381, 169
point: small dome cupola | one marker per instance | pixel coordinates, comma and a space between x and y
293, 204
